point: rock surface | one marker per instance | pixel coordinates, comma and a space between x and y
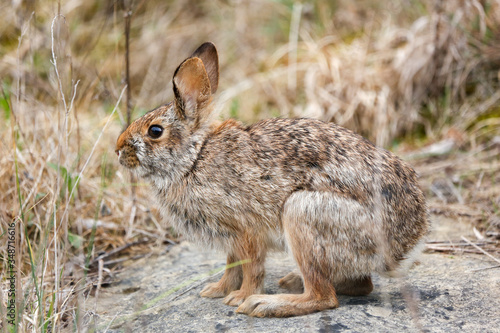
441, 294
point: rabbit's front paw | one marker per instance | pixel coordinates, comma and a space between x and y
236, 297
213, 290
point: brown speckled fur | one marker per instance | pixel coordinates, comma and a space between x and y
341, 206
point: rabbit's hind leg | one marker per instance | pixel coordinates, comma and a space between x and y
230, 281
317, 242
356, 287
292, 282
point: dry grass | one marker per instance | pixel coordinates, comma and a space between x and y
413, 70
396, 79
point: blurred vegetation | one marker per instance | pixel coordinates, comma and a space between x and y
401, 68
403, 73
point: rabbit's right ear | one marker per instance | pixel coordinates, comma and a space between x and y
192, 91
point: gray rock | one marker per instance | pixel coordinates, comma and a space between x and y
441, 294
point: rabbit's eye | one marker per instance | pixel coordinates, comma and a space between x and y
155, 131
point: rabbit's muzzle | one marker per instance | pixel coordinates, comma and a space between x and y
126, 152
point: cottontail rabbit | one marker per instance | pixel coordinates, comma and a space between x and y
343, 207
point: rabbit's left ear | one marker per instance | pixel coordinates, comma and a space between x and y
192, 91
208, 55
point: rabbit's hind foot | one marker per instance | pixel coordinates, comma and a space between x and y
356, 287
286, 305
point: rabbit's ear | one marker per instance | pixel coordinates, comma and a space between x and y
208, 54
192, 91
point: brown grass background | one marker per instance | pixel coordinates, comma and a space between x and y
404, 73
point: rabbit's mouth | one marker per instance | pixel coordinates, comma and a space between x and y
127, 151
128, 159
132, 163
127, 154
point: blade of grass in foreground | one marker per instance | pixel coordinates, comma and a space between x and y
21, 213
96, 215
154, 302
33, 276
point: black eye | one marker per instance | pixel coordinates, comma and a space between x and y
155, 131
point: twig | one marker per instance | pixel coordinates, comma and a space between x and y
133, 211
54, 61
292, 48
99, 281
477, 234
92, 152
63, 144
480, 249
13, 109
484, 242
111, 322
484, 268
128, 18
450, 249
117, 250
59, 156
117, 261
160, 237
